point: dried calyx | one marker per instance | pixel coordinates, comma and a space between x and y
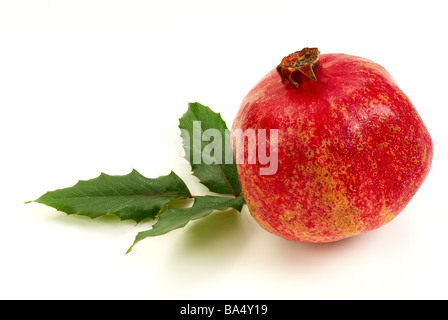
304, 61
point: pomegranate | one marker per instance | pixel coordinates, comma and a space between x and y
352, 149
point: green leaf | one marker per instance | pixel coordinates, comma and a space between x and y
174, 218
220, 176
131, 196
136, 197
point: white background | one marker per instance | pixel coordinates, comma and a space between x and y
98, 86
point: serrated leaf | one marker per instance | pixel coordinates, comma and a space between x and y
220, 176
174, 218
131, 196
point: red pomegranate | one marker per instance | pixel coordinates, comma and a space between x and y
352, 150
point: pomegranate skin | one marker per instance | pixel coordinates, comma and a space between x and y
352, 151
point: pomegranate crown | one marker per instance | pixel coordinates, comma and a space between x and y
305, 61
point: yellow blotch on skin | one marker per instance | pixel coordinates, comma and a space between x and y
336, 211
386, 215
383, 97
